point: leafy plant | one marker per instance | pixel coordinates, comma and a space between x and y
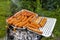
49, 4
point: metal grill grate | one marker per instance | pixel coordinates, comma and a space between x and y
49, 26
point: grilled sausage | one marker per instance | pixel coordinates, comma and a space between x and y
25, 18
23, 23
35, 24
35, 30
43, 21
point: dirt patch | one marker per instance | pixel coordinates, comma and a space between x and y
58, 38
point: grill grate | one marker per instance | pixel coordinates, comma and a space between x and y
49, 26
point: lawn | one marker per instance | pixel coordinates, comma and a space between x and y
5, 12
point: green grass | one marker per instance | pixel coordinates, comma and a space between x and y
4, 12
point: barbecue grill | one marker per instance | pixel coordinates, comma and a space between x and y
26, 34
